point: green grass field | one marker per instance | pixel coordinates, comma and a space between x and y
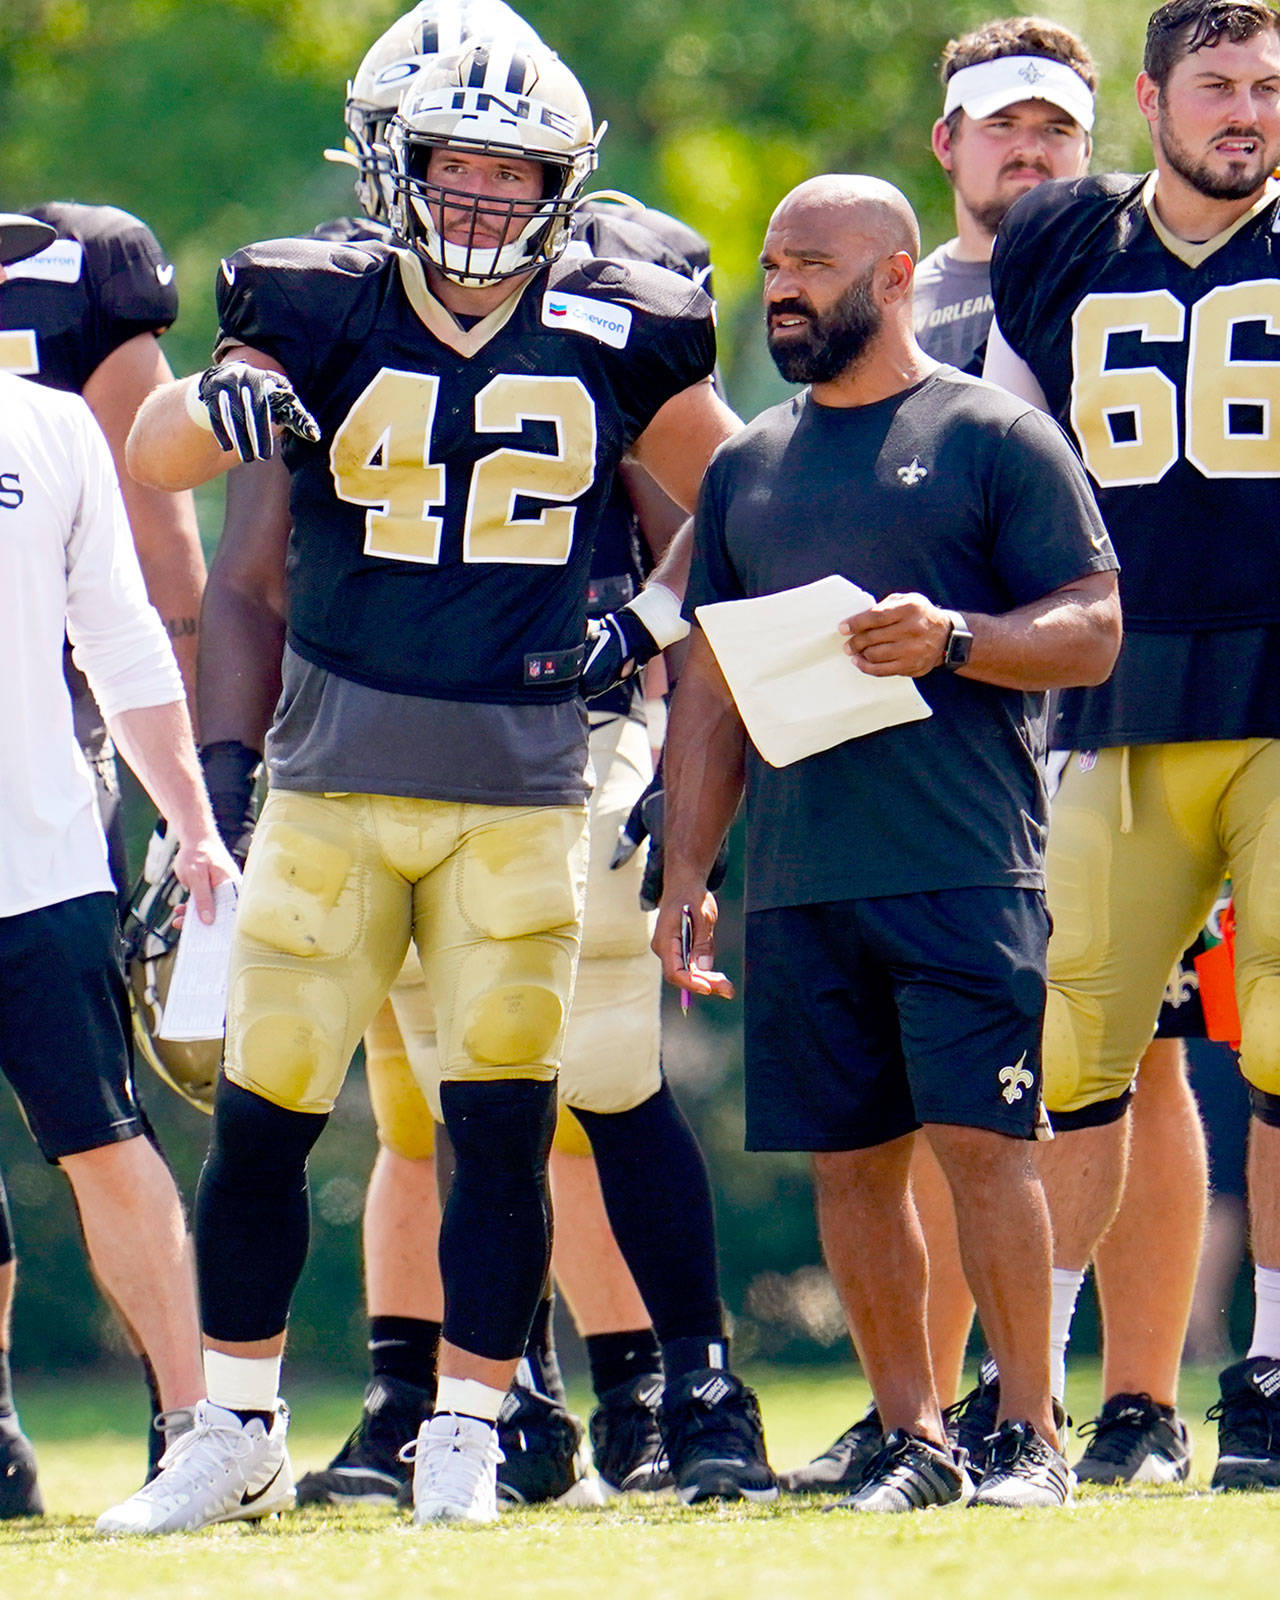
1153, 1543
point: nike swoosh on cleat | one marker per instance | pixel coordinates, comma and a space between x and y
247, 1499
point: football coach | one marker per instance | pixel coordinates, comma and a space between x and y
896, 928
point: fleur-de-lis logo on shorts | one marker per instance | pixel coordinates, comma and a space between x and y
1016, 1079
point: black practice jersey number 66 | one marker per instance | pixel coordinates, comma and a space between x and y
1126, 418
381, 458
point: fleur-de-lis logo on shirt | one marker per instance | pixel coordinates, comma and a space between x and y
912, 475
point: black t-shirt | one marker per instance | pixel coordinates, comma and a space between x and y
952, 489
101, 282
1160, 358
443, 526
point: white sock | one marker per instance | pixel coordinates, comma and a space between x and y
468, 1397
1066, 1288
242, 1383
1266, 1313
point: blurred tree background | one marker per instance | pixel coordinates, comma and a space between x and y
208, 118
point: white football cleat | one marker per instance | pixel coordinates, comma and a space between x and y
455, 1470
220, 1470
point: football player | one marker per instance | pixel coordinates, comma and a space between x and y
473, 395
1139, 311
85, 314
616, 998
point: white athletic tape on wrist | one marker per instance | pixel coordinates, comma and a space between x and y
659, 609
196, 408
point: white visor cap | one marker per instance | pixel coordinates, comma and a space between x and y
990, 86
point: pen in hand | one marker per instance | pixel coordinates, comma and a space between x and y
686, 948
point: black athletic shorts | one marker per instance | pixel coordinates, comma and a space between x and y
65, 1039
866, 1018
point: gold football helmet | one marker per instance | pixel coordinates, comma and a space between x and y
190, 1068
496, 98
392, 66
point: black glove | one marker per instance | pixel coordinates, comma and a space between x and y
618, 645
645, 821
230, 769
243, 401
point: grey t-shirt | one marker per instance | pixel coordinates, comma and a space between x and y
953, 308
953, 489
331, 735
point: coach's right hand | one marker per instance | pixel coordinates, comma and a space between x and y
681, 896
243, 402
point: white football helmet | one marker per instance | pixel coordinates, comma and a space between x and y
494, 98
395, 63
190, 1068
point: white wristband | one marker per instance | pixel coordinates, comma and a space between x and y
196, 408
659, 609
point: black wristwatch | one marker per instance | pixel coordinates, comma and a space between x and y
959, 643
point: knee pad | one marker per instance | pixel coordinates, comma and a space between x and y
1260, 1036
1097, 1115
1072, 1039
514, 995
1265, 1106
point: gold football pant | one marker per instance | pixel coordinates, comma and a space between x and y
611, 1060
1139, 842
335, 887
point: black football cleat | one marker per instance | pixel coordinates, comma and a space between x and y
971, 1422
842, 1465
544, 1459
1248, 1418
1135, 1440
714, 1439
368, 1471
19, 1491
626, 1438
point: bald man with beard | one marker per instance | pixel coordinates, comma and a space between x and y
896, 929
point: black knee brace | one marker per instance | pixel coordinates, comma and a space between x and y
1098, 1115
252, 1214
1264, 1106
495, 1235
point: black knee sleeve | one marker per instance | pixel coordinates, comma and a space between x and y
495, 1235
252, 1214
658, 1197
1264, 1106
1098, 1115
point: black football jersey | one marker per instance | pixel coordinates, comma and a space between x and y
102, 281
1162, 360
443, 527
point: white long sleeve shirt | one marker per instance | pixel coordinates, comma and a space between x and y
67, 563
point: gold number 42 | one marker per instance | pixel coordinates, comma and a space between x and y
1126, 419
381, 459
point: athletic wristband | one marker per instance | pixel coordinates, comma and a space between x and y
658, 608
196, 408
